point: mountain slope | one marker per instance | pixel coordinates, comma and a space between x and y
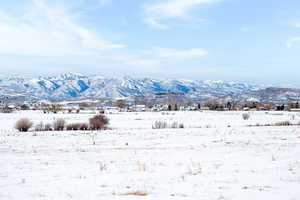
268, 95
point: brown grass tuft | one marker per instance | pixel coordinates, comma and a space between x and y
137, 193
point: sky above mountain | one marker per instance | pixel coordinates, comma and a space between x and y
242, 40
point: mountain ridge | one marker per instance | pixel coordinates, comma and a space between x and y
78, 86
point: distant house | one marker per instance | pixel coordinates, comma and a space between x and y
24, 107
262, 108
204, 108
8, 109
295, 109
111, 110
139, 108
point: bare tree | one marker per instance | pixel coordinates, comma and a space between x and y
23, 125
99, 122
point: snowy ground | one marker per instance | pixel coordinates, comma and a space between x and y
216, 156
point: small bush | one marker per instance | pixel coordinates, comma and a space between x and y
246, 116
23, 125
77, 126
163, 125
43, 127
48, 127
39, 127
59, 125
73, 127
159, 125
98, 122
285, 123
177, 125
83, 127
174, 125
181, 125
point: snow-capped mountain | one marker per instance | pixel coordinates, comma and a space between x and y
72, 86
268, 95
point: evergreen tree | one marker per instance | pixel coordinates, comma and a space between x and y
176, 107
199, 106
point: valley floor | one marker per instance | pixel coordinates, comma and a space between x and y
216, 156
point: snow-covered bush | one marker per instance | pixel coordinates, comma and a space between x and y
23, 125
177, 125
246, 116
40, 127
163, 124
43, 127
159, 125
59, 125
77, 126
48, 127
99, 122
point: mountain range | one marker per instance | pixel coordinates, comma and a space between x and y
71, 85
77, 86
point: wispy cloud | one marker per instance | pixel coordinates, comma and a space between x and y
102, 3
245, 29
293, 40
155, 23
48, 31
174, 53
171, 9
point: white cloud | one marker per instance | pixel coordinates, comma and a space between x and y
297, 25
245, 29
292, 42
174, 53
171, 9
155, 23
102, 3
48, 31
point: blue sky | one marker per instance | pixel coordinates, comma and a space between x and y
241, 40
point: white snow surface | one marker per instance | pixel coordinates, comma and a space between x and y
216, 156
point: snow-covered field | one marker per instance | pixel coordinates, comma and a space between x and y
216, 156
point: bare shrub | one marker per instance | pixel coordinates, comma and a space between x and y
141, 166
163, 125
59, 125
77, 126
159, 125
181, 125
174, 125
285, 123
23, 125
246, 116
40, 127
84, 126
136, 193
98, 122
48, 127
73, 127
